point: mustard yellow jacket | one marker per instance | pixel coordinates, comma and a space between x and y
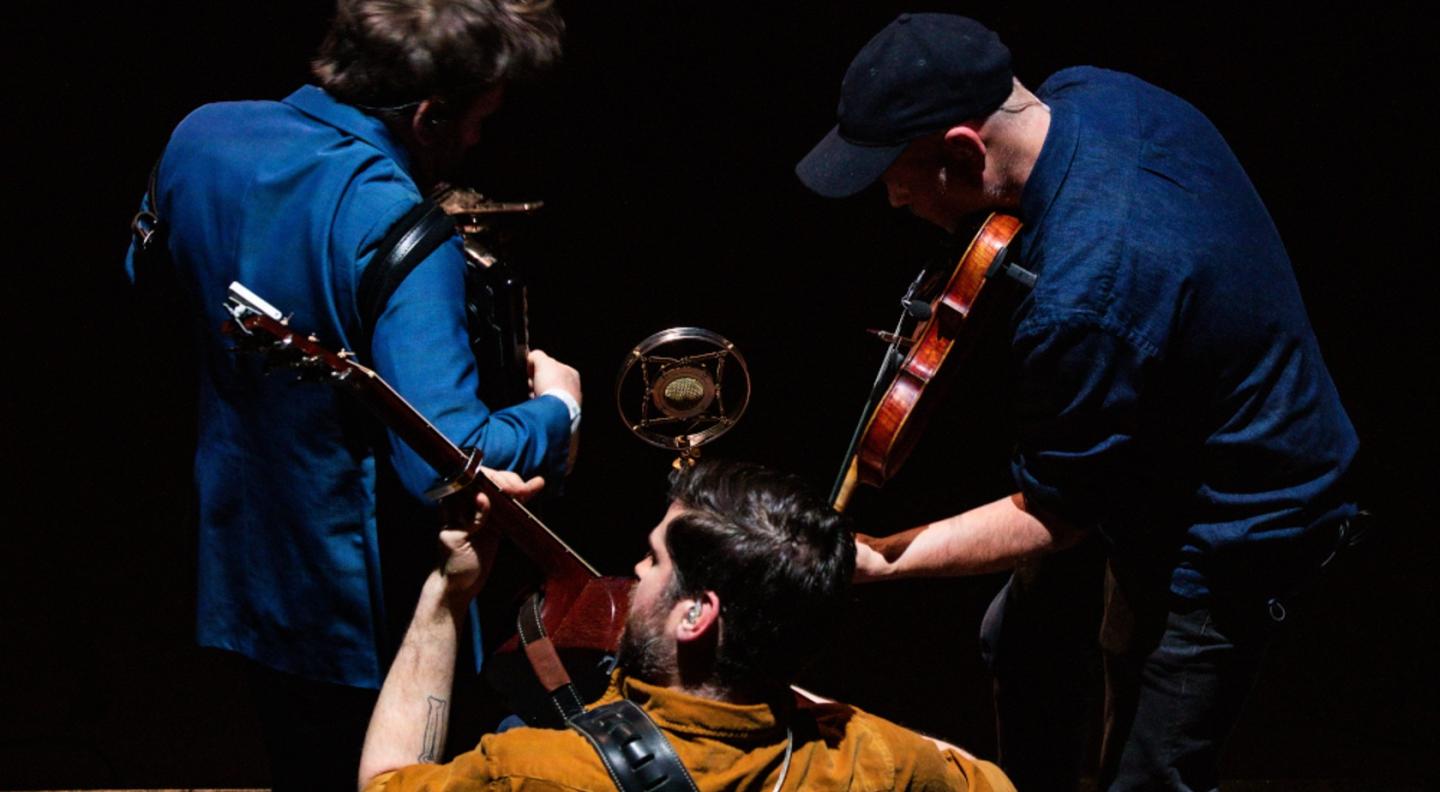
724, 746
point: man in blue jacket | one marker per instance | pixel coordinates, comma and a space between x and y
1168, 391
292, 199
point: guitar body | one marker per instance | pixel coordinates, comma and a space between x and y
588, 614
577, 612
582, 619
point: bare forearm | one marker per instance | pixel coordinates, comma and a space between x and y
988, 538
412, 712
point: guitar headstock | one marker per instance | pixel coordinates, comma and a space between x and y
259, 327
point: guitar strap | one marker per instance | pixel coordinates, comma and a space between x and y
157, 286
633, 749
494, 301
546, 663
146, 226
408, 242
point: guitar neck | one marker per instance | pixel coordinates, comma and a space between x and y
404, 420
518, 523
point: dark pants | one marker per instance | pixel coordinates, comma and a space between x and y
1175, 676
313, 731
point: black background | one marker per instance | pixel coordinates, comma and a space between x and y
664, 150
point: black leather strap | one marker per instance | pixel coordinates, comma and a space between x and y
413, 237
633, 749
147, 226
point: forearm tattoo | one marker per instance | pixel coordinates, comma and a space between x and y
434, 741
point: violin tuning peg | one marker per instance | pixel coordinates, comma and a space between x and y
890, 338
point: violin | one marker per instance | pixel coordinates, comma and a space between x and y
920, 364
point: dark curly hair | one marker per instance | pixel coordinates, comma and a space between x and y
779, 557
394, 53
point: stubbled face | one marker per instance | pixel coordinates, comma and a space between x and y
466, 135
935, 186
646, 648
454, 137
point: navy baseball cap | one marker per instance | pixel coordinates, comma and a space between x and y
921, 74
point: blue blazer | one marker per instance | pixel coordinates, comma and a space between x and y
292, 198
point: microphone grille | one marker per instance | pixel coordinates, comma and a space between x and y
684, 393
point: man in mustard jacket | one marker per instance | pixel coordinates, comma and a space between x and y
746, 575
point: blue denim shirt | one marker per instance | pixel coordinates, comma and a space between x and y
292, 198
1168, 386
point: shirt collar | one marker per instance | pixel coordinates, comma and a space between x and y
1053, 164
313, 101
684, 713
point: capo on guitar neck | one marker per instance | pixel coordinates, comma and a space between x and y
242, 300
460, 481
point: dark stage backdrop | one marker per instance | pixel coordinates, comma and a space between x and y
664, 149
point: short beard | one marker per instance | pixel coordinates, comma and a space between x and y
643, 652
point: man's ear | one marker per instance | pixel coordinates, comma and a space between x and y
425, 123
963, 146
698, 615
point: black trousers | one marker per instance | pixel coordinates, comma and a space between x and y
1175, 676
313, 731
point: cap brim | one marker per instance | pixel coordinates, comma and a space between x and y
837, 168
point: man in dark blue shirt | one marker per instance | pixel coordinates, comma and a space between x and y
293, 198
1168, 391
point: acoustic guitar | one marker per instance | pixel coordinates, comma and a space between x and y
574, 613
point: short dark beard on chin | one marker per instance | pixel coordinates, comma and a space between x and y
642, 652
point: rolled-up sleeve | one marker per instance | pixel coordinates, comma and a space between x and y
1078, 386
